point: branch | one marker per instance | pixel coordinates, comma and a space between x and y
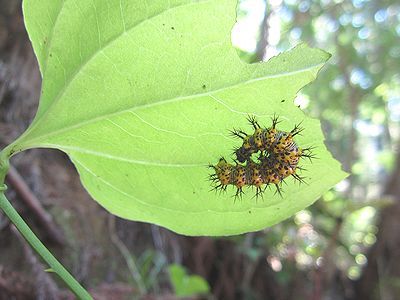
32, 239
22, 189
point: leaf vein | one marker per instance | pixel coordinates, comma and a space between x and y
30, 142
94, 54
120, 158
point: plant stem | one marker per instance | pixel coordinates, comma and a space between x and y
32, 239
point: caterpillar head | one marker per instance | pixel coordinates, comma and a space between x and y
242, 155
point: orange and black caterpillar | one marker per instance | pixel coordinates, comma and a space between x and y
260, 175
279, 157
269, 139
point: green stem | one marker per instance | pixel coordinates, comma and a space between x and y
32, 239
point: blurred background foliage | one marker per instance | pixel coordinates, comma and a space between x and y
345, 246
357, 99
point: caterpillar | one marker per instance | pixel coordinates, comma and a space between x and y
265, 172
278, 159
264, 139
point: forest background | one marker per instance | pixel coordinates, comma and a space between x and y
345, 246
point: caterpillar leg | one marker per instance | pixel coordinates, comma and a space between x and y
220, 187
277, 187
210, 166
307, 152
301, 168
299, 178
283, 181
259, 192
252, 120
213, 178
278, 190
239, 193
297, 129
238, 133
275, 121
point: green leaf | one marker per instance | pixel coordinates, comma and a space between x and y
141, 97
185, 285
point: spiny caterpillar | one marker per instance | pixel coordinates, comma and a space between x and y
264, 139
250, 174
278, 159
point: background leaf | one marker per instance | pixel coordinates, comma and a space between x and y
141, 97
185, 285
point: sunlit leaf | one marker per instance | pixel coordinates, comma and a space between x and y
186, 285
141, 96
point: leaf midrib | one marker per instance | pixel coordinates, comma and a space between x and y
35, 142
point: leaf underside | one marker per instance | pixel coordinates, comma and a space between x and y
141, 97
